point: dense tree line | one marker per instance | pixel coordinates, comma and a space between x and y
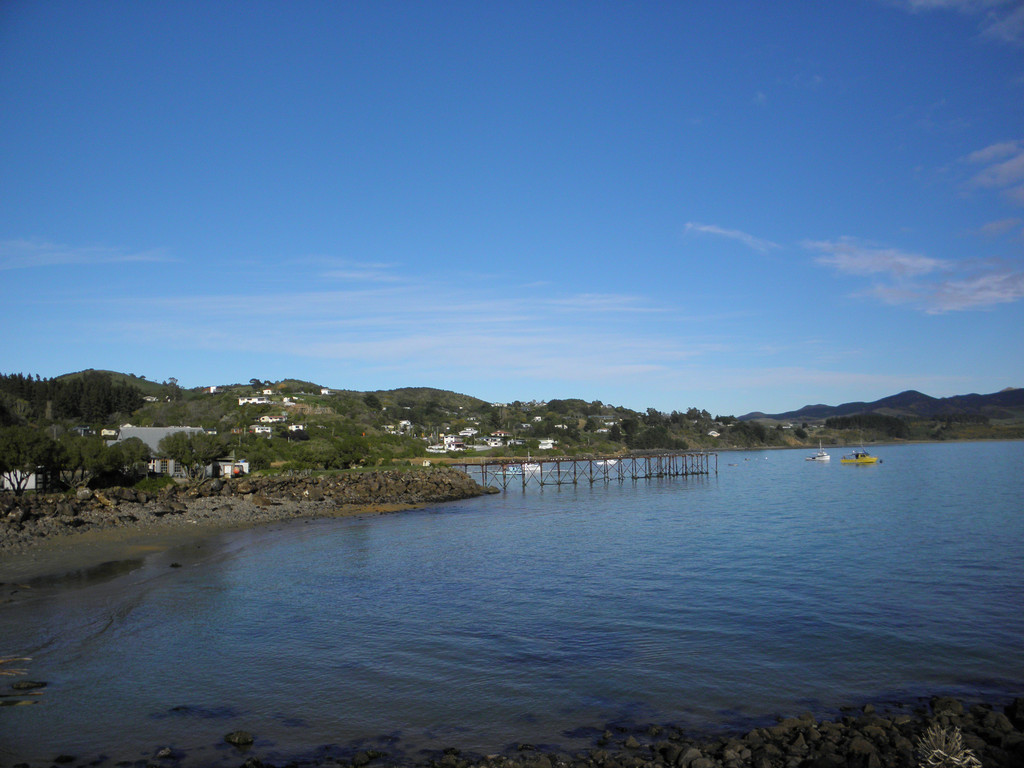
961, 418
71, 461
891, 426
92, 397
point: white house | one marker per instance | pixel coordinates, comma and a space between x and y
546, 444
17, 479
713, 433
261, 429
268, 391
296, 427
326, 391
469, 432
256, 400
268, 419
213, 390
493, 442
453, 443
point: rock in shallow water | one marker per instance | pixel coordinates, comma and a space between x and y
239, 738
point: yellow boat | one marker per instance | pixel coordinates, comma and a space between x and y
859, 457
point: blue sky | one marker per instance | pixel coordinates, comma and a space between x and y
736, 206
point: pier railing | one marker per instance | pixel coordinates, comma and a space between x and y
503, 473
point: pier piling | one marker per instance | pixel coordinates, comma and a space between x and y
503, 473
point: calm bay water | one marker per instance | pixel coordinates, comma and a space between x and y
775, 587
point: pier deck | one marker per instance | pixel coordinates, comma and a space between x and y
504, 473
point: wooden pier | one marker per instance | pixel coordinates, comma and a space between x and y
503, 473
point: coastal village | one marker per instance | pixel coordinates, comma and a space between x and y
292, 425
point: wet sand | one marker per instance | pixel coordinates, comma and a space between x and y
51, 557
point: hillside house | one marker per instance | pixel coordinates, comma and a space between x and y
453, 443
255, 400
546, 444
268, 419
151, 436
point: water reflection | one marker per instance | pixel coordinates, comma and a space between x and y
75, 579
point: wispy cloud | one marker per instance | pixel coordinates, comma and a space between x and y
757, 243
29, 254
1001, 20
978, 291
850, 256
934, 286
1008, 27
1001, 227
1003, 169
433, 328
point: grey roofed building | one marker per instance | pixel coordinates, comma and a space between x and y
151, 436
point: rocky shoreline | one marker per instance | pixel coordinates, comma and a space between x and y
864, 738
27, 520
943, 732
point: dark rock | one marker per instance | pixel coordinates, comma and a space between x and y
997, 722
28, 685
1015, 711
946, 705
688, 756
239, 738
861, 746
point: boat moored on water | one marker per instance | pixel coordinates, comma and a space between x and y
821, 455
859, 457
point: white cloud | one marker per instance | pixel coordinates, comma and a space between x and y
998, 19
750, 241
445, 330
850, 256
1001, 227
995, 152
29, 254
977, 292
1003, 169
1008, 28
931, 285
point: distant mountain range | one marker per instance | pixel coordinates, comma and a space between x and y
1006, 404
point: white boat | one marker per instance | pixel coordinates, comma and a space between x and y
821, 455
